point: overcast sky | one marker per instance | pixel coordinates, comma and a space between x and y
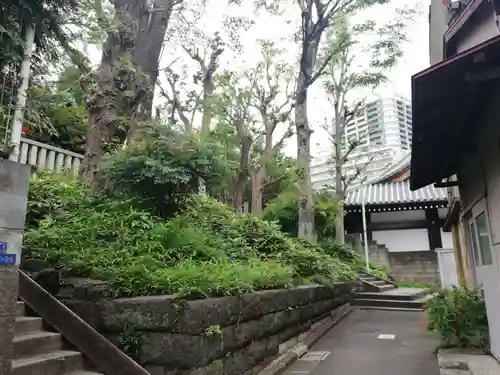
281, 30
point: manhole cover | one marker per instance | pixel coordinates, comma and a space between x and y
314, 356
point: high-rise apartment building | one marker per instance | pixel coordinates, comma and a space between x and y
381, 122
383, 129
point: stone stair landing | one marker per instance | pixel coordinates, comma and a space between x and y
38, 351
402, 299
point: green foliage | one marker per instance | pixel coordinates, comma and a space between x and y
53, 117
54, 195
459, 316
161, 169
205, 250
130, 339
284, 211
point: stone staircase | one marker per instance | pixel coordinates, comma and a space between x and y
402, 299
383, 294
39, 351
374, 283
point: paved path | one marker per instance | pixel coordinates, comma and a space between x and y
353, 347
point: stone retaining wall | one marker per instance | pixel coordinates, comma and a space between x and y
226, 336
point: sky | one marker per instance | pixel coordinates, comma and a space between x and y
281, 30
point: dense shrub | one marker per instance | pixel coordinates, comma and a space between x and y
459, 316
207, 249
53, 195
284, 211
161, 170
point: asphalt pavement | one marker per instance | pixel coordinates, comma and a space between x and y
372, 342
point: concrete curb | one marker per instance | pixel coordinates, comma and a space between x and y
306, 340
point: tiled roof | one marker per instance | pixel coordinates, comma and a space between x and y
398, 166
393, 193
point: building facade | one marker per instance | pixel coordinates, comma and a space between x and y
381, 122
383, 129
456, 112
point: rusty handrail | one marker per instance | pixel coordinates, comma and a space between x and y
102, 353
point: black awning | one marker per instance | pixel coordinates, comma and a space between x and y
447, 103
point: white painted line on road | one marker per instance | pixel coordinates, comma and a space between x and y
297, 372
384, 336
314, 356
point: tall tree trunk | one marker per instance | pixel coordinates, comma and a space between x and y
258, 177
24, 78
241, 180
259, 173
339, 188
306, 202
208, 91
140, 38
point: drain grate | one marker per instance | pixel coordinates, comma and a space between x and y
315, 356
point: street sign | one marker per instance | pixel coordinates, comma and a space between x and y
7, 259
3, 247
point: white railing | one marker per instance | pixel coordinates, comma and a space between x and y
45, 156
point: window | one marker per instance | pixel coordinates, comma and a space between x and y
480, 240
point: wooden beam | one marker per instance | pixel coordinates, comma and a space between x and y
446, 184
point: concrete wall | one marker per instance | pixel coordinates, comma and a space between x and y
410, 266
437, 28
14, 184
229, 335
481, 27
479, 176
415, 266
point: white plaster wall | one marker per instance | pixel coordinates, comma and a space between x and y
403, 240
392, 216
447, 240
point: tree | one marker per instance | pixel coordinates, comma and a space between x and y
272, 98
316, 16
345, 73
196, 101
235, 108
125, 79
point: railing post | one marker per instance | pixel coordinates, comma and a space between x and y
13, 201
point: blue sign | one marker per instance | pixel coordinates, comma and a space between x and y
7, 259
3, 247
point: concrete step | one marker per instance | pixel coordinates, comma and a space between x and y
20, 308
379, 282
385, 287
387, 296
54, 363
389, 308
25, 324
415, 304
36, 342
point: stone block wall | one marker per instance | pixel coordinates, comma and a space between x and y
409, 266
226, 336
415, 266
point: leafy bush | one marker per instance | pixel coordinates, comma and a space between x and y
284, 211
54, 194
161, 169
207, 249
459, 316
